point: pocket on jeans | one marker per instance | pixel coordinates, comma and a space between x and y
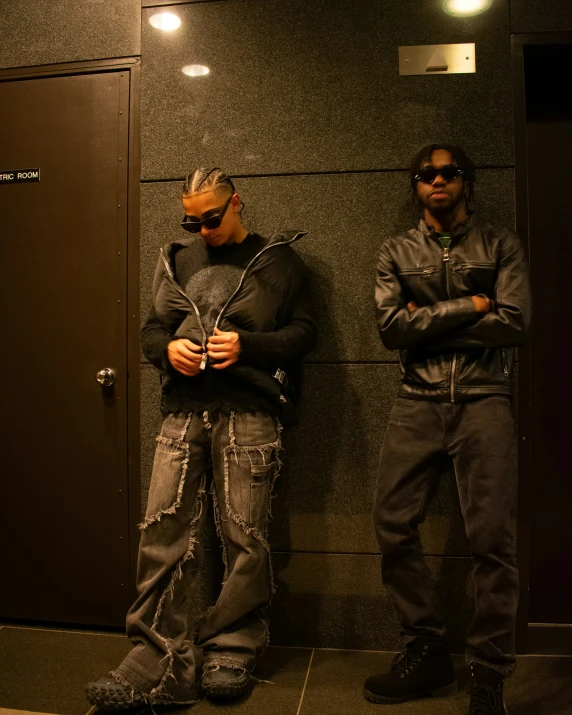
169, 467
262, 476
249, 482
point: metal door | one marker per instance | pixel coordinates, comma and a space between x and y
549, 158
63, 240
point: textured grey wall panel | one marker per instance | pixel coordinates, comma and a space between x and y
40, 32
324, 496
541, 15
348, 216
337, 601
297, 87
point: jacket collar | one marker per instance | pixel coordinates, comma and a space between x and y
170, 249
458, 232
286, 236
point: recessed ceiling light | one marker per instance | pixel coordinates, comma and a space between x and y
195, 70
466, 8
166, 21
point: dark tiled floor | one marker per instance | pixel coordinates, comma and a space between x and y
44, 671
540, 686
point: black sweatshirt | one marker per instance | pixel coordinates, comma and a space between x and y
209, 276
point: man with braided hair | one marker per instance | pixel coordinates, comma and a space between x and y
231, 321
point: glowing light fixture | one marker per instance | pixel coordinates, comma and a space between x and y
195, 70
466, 8
166, 21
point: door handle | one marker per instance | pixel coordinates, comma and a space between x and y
106, 377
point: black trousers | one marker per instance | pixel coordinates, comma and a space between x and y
478, 438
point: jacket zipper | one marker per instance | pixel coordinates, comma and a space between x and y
504, 362
454, 363
182, 292
248, 267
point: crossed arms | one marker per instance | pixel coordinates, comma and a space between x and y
456, 324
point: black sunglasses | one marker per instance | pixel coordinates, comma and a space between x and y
194, 225
428, 174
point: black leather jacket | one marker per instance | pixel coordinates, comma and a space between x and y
448, 352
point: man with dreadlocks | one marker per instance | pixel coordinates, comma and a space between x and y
230, 323
453, 296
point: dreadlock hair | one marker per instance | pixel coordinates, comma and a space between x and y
214, 179
458, 156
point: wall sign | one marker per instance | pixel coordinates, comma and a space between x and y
19, 176
437, 59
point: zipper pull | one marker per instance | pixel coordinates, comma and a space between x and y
204, 361
445, 255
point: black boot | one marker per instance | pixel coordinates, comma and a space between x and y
424, 669
486, 691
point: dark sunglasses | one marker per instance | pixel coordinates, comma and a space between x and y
194, 225
428, 174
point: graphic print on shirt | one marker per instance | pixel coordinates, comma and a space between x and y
210, 288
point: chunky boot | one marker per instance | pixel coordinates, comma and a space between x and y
424, 669
220, 682
108, 694
486, 691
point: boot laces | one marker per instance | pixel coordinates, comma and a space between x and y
485, 700
405, 662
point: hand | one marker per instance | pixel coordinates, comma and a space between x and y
223, 346
185, 356
483, 305
411, 306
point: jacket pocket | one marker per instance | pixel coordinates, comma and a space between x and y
474, 278
418, 272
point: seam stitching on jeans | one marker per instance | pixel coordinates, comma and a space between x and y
219, 531
181, 444
177, 573
235, 449
159, 691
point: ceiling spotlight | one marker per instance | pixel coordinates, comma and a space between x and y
466, 8
166, 21
195, 70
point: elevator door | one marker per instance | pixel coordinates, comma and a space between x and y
549, 169
63, 489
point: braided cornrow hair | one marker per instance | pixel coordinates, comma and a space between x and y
208, 180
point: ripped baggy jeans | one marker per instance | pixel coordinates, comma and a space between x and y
235, 459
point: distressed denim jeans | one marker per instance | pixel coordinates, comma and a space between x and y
235, 459
477, 437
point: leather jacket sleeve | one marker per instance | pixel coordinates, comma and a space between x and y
508, 324
401, 329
